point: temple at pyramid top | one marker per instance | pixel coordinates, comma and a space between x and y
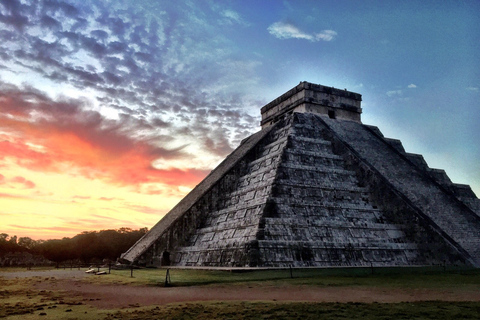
317, 188
314, 98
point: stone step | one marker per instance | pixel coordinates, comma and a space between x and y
311, 140
318, 245
316, 154
319, 204
334, 187
316, 168
315, 175
307, 143
417, 187
328, 222
307, 130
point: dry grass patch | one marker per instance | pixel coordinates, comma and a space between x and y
267, 310
19, 300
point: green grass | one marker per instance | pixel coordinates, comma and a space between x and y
394, 278
21, 269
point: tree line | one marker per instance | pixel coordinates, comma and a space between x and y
84, 248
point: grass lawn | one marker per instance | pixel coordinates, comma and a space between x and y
382, 277
20, 300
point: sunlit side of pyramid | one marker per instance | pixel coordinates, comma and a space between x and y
315, 188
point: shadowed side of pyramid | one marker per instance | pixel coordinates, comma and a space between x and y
446, 208
315, 187
326, 211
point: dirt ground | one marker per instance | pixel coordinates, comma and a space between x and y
118, 296
123, 296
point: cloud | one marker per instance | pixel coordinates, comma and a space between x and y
326, 35
412, 86
394, 93
24, 183
12, 14
17, 182
106, 199
121, 60
474, 89
232, 17
139, 96
14, 196
81, 197
283, 30
49, 135
145, 209
45, 229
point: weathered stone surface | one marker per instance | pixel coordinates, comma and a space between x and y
442, 210
314, 98
317, 189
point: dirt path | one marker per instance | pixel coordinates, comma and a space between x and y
122, 296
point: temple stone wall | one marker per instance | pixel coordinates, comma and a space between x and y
313, 98
461, 191
452, 218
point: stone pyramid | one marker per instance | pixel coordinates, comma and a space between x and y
315, 188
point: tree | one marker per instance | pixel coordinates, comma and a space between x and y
26, 242
13, 240
87, 246
57, 251
9, 244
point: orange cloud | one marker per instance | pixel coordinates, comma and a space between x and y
61, 136
27, 184
7, 195
145, 209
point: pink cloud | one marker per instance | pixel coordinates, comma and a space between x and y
106, 199
66, 133
81, 197
145, 209
27, 184
7, 195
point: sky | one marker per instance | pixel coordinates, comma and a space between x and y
112, 111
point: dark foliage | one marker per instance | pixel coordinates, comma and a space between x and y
87, 247
9, 245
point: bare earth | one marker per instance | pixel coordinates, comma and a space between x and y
123, 296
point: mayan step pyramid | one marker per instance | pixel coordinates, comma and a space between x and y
317, 188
